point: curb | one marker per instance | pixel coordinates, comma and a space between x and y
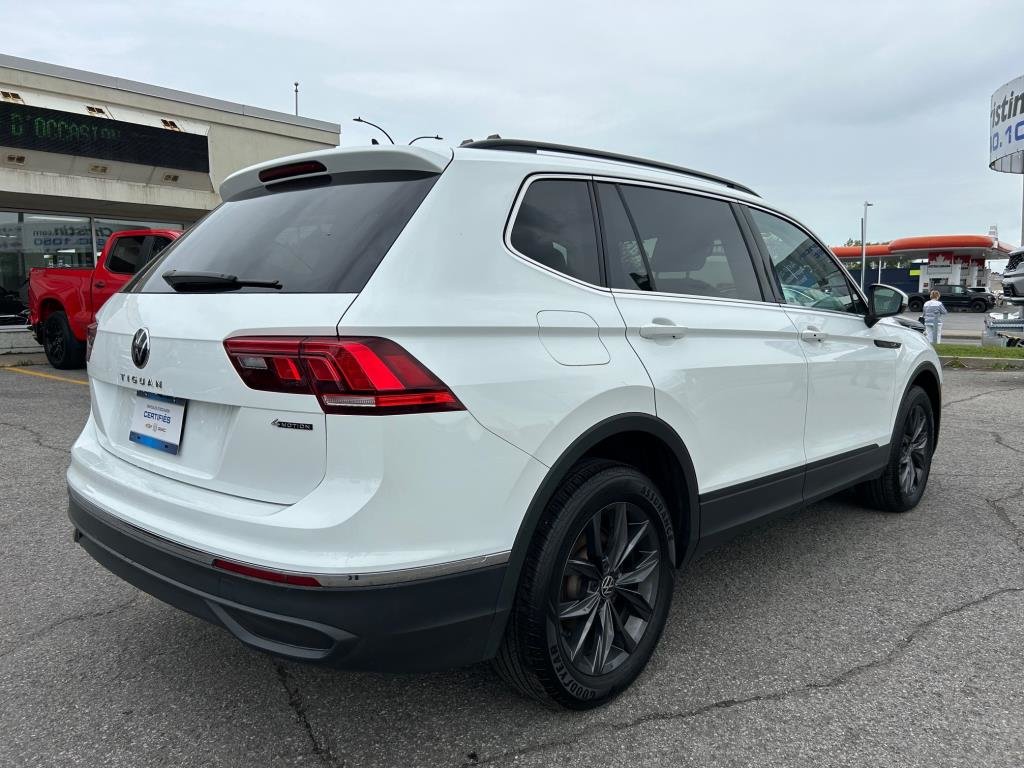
22, 358
983, 363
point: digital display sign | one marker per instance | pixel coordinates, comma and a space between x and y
67, 133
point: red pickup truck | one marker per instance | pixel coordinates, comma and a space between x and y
63, 302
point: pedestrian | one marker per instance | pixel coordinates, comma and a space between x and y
933, 312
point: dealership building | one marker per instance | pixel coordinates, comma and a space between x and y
83, 155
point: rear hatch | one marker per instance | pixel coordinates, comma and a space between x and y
282, 257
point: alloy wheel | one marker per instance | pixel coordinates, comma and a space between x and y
913, 451
608, 589
54, 342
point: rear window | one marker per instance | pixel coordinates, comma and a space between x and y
311, 237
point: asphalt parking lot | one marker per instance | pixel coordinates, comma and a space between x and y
834, 636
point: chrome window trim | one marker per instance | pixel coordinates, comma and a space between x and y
695, 296
377, 578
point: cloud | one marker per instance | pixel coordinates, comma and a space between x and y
819, 104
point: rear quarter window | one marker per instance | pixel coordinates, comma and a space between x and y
555, 227
325, 236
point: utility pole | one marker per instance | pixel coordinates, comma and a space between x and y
296, 98
864, 244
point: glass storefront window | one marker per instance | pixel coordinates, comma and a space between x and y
49, 240
12, 267
30, 240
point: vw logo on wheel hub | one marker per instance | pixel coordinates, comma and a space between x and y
140, 348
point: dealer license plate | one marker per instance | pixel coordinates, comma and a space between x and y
157, 421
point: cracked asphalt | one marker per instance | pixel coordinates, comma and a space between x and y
834, 636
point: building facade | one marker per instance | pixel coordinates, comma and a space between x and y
83, 155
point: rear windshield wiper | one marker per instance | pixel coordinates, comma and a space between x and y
212, 282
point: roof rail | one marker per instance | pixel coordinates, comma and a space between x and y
520, 145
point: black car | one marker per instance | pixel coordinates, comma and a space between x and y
955, 297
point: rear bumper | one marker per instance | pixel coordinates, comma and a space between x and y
427, 624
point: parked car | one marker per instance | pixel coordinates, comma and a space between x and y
63, 301
1013, 278
388, 408
954, 297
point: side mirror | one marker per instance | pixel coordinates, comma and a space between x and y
884, 301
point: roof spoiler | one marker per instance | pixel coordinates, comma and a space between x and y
334, 160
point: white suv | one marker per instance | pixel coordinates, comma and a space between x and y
387, 408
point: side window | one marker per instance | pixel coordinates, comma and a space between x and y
126, 256
555, 227
807, 274
692, 244
627, 267
159, 243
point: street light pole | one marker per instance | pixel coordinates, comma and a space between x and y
864, 244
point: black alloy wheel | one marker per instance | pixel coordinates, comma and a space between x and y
608, 590
914, 457
55, 346
62, 349
903, 481
594, 590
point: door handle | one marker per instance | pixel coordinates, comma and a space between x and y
99, 284
661, 328
813, 334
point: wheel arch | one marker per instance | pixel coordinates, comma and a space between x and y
48, 306
927, 377
639, 439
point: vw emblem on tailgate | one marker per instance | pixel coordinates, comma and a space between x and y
140, 348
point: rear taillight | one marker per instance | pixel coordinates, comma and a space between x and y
365, 375
90, 339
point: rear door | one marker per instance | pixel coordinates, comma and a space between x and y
852, 367
728, 372
320, 242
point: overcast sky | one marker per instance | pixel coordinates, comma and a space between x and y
818, 105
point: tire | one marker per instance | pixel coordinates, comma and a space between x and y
979, 306
915, 305
895, 490
613, 613
62, 349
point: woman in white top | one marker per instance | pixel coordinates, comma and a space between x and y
933, 312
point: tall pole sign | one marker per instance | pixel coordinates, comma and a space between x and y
1006, 133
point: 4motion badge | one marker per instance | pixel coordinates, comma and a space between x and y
292, 425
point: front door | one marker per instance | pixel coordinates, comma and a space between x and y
728, 372
851, 377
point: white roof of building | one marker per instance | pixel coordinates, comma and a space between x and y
156, 91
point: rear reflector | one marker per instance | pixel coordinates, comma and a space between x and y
279, 577
360, 375
292, 169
